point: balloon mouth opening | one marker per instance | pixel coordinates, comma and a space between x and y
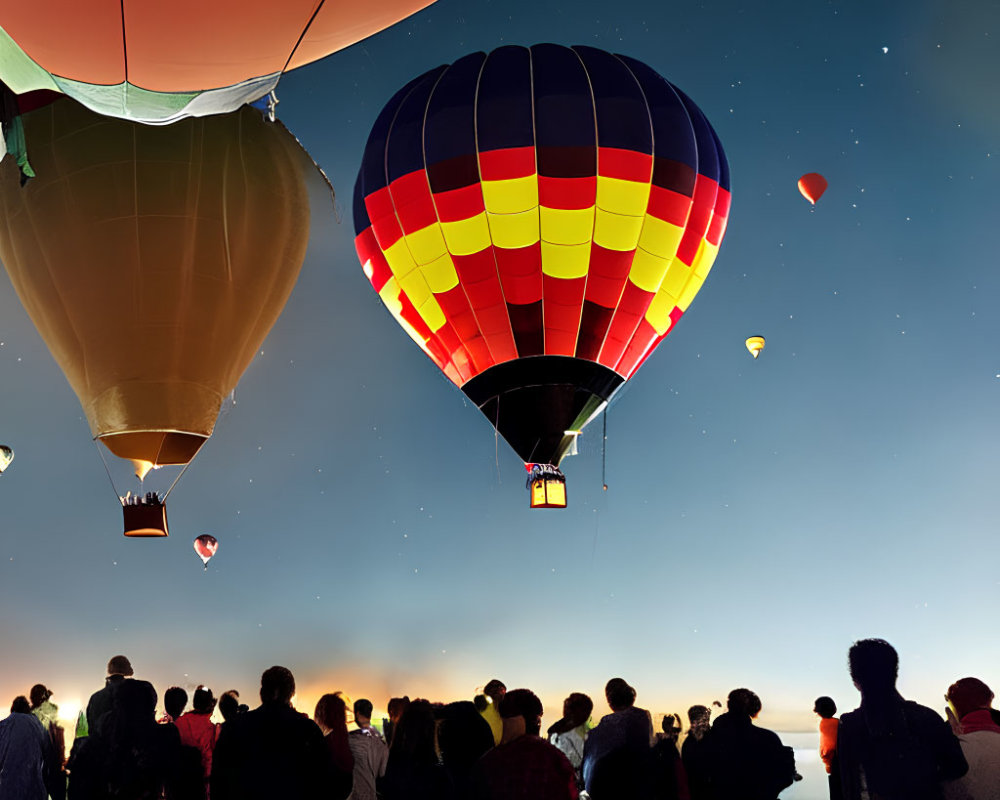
150, 449
547, 486
145, 520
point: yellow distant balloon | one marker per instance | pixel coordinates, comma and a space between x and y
755, 344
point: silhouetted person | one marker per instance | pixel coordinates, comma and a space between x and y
493, 691
569, 733
617, 750
26, 755
413, 771
395, 709
969, 715
667, 779
131, 757
230, 706
331, 716
175, 700
747, 762
524, 766
197, 730
695, 753
119, 668
47, 713
828, 724
271, 752
463, 737
371, 754
889, 747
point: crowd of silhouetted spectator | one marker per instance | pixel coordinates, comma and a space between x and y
492, 746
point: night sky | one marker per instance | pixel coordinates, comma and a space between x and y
760, 516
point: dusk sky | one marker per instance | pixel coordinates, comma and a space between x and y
375, 536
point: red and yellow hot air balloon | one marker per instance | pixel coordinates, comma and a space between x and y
158, 61
538, 220
153, 261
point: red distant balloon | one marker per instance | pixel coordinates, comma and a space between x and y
205, 546
812, 185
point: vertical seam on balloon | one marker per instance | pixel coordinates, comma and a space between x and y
538, 208
305, 30
136, 295
652, 139
479, 172
430, 190
593, 225
402, 231
124, 42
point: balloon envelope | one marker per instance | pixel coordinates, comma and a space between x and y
812, 185
538, 220
159, 61
6, 456
205, 546
755, 344
153, 261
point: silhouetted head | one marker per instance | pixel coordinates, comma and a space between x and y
135, 702
277, 685
968, 695
523, 703
120, 665
671, 725
363, 711
619, 694
463, 735
396, 707
331, 712
495, 690
39, 694
743, 703
174, 700
577, 709
481, 702
699, 715
825, 707
204, 701
229, 704
414, 737
874, 665
20, 705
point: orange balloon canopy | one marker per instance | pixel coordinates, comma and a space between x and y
812, 185
154, 261
157, 61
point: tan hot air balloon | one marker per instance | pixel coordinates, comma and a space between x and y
154, 261
755, 344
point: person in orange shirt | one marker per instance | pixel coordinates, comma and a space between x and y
828, 723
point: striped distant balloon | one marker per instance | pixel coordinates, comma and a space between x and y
538, 220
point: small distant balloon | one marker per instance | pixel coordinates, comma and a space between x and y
205, 546
6, 456
812, 185
885, 50
755, 344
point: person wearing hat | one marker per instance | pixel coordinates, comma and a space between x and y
101, 701
197, 730
969, 701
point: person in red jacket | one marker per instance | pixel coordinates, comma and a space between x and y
197, 729
828, 723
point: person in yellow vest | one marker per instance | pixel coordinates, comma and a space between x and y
493, 693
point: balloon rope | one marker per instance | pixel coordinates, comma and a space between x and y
604, 451
111, 480
496, 442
